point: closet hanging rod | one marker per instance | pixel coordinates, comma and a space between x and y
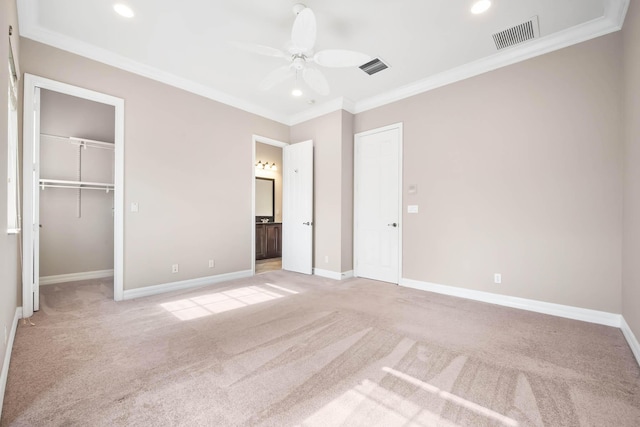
59, 183
106, 189
83, 141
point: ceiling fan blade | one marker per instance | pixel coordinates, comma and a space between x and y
260, 49
340, 58
303, 34
276, 76
316, 80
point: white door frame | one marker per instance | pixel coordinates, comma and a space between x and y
263, 140
31, 146
399, 127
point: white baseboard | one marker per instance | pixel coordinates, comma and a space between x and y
72, 277
631, 339
184, 284
7, 355
347, 274
332, 274
567, 311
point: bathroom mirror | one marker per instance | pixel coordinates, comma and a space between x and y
265, 199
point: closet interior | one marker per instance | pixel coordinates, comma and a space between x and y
76, 189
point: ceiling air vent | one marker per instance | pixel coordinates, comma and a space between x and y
374, 66
518, 34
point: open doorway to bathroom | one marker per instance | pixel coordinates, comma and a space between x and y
268, 207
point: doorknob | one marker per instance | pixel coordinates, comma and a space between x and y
307, 223
392, 224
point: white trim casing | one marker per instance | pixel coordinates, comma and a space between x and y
7, 355
72, 277
631, 339
185, 284
332, 274
566, 311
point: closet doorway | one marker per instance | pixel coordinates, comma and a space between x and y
73, 187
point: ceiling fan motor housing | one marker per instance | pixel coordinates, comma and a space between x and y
299, 62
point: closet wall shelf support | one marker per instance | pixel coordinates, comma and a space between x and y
82, 185
83, 142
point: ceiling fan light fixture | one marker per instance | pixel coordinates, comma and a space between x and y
123, 10
480, 6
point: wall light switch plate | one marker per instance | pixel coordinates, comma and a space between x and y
412, 209
134, 207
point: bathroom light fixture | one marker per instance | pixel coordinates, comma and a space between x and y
266, 166
480, 6
123, 10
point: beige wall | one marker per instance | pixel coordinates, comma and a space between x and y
88, 240
347, 192
9, 274
518, 172
631, 248
66, 115
328, 186
272, 154
187, 165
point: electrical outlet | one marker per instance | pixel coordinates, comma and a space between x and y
497, 278
174, 268
326, 259
212, 263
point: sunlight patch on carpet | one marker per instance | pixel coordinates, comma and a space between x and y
479, 409
219, 302
370, 403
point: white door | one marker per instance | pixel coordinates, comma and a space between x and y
297, 207
377, 204
31, 161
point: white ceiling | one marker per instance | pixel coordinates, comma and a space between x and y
427, 43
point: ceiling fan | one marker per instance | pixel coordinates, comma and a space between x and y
300, 56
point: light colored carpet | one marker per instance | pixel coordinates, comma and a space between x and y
283, 349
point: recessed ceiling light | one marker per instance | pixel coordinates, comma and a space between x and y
296, 92
124, 10
480, 6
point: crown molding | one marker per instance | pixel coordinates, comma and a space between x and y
615, 11
612, 20
27, 11
322, 109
